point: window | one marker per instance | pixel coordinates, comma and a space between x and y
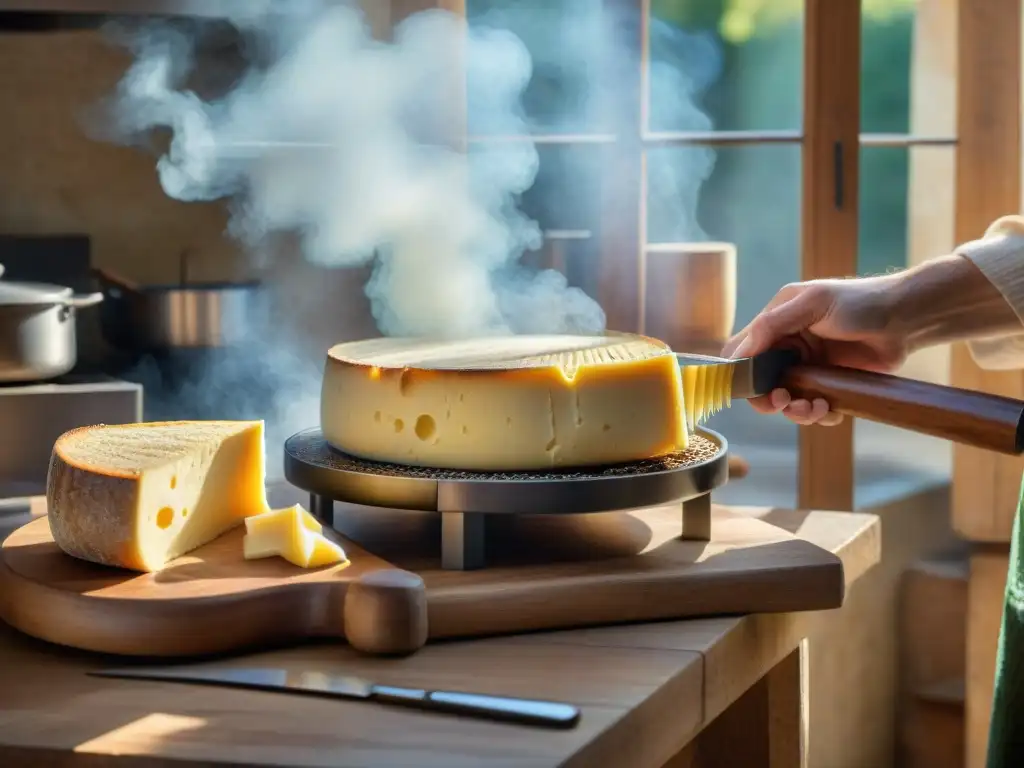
818, 136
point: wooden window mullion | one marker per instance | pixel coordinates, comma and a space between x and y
623, 183
830, 159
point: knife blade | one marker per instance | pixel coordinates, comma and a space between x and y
537, 712
751, 376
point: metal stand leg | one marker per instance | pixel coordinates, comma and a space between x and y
322, 508
697, 518
462, 541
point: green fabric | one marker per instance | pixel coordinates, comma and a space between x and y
1006, 734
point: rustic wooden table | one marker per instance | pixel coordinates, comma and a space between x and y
680, 694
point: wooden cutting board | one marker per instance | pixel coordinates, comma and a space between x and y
548, 572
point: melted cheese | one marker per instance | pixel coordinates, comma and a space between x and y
292, 534
504, 403
139, 495
708, 389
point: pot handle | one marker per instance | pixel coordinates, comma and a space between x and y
78, 302
114, 282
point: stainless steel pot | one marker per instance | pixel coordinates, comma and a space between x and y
38, 330
185, 316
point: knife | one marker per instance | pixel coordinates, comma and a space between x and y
501, 708
751, 376
979, 419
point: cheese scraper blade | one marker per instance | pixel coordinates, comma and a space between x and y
977, 419
751, 376
502, 708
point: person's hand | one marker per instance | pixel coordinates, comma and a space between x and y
831, 322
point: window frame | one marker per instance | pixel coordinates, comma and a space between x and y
986, 485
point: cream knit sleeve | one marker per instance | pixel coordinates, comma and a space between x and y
999, 254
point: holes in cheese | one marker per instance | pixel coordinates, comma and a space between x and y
505, 403
165, 518
138, 495
426, 427
293, 534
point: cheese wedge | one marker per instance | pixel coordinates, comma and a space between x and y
269, 523
291, 533
504, 403
138, 495
325, 552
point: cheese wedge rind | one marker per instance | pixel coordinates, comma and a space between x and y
138, 495
504, 403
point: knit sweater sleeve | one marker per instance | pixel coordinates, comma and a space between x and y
999, 254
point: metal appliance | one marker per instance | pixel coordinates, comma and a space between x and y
187, 315
33, 416
466, 499
38, 330
34, 413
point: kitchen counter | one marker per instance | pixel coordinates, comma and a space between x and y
719, 691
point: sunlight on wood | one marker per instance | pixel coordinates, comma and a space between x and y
143, 735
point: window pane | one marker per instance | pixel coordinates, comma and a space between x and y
743, 61
906, 198
906, 208
733, 209
886, 44
565, 203
908, 67
882, 228
567, 41
715, 64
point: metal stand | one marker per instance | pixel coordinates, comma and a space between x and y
465, 500
697, 518
322, 508
462, 533
462, 541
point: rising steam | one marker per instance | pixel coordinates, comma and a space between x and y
332, 136
344, 142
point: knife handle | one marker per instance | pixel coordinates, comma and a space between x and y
524, 711
963, 416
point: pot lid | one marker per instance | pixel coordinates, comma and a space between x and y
32, 293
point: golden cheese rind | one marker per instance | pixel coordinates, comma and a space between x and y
86, 513
504, 403
138, 495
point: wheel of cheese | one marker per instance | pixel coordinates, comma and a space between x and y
504, 403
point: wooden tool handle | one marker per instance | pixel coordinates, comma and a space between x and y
963, 416
386, 612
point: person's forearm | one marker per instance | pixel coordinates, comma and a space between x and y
947, 299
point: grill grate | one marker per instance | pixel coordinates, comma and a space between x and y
318, 453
